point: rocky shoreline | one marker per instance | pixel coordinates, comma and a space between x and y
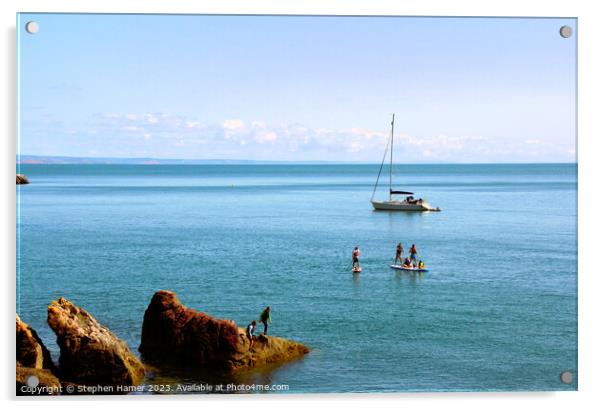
172, 336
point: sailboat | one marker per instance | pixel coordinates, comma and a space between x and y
408, 203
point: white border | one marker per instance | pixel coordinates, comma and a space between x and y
590, 67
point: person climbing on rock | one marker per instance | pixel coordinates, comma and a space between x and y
251, 333
264, 317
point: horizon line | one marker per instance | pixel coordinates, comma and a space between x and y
42, 158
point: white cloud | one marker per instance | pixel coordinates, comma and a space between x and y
368, 133
354, 146
180, 136
132, 128
171, 121
194, 125
266, 136
232, 128
233, 124
151, 119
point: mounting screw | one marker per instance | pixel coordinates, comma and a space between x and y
32, 27
566, 31
32, 381
566, 377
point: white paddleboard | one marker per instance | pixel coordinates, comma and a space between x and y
356, 270
398, 267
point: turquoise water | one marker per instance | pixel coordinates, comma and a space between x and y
497, 311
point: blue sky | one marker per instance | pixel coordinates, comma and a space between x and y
297, 88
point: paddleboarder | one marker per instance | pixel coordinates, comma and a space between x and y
413, 253
398, 254
355, 257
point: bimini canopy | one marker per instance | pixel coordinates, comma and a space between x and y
400, 192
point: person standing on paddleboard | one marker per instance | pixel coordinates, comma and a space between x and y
264, 317
398, 254
355, 257
413, 253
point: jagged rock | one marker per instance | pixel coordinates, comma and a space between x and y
174, 334
34, 363
22, 180
266, 350
36, 381
31, 351
90, 353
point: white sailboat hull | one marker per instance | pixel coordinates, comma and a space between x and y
403, 206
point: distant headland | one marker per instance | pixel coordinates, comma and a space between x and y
75, 160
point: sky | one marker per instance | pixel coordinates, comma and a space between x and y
304, 88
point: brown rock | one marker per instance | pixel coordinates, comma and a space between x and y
36, 381
22, 180
174, 334
90, 353
266, 350
31, 351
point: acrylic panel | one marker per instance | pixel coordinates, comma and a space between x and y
400, 191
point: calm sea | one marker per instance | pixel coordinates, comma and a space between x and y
497, 311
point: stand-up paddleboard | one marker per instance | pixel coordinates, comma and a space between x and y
398, 267
356, 270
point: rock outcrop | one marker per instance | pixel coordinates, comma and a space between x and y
21, 179
36, 373
90, 353
36, 381
174, 334
31, 352
265, 351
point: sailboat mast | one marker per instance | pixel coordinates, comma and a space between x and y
391, 163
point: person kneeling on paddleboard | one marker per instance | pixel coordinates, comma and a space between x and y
355, 257
264, 317
407, 262
421, 264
